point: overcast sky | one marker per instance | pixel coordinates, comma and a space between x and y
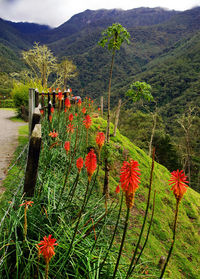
56, 12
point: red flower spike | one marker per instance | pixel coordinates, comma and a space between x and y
84, 110
79, 103
91, 163
76, 114
79, 163
27, 203
50, 118
71, 117
67, 146
42, 111
60, 96
99, 109
67, 103
100, 138
50, 90
178, 180
87, 122
47, 248
70, 128
129, 176
52, 110
117, 190
53, 134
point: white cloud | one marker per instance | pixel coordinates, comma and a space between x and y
56, 12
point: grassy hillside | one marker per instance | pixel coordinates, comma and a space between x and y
185, 260
45, 218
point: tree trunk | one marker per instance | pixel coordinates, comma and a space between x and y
117, 117
106, 179
109, 89
152, 134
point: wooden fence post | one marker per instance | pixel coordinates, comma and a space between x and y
31, 107
32, 161
117, 117
54, 99
101, 106
36, 118
49, 106
36, 98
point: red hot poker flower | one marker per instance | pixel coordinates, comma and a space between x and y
84, 110
117, 190
52, 110
79, 103
79, 163
90, 163
100, 138
70, 128
71, 117
60, 96
67, 146
129, 180
67, 103
50, 118
87, 122
178, 180
27, 203
47, 248
53, 134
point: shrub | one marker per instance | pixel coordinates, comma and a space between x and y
8, 103
20, 98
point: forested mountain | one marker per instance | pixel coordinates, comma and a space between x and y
164, 51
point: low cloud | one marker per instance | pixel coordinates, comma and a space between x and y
56, 12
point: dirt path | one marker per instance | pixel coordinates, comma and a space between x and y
8, 141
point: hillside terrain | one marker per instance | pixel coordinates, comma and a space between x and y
164, 51
184, 263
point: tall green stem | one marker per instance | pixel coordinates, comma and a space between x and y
114, 233
147, 236
173, 240
145, 216
106, 179
122, 243
79, 218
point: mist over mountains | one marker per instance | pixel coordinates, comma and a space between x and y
161, 41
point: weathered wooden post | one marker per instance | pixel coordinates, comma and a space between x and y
31, 107
117, 117
42, 100
49, 106
54, 99
36, 98
101, 106
32, 161
35, 118
65, 96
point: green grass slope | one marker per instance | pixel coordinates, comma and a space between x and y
184, 262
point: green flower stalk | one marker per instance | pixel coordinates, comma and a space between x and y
129, 179
145, 217
178, 182
26, 205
